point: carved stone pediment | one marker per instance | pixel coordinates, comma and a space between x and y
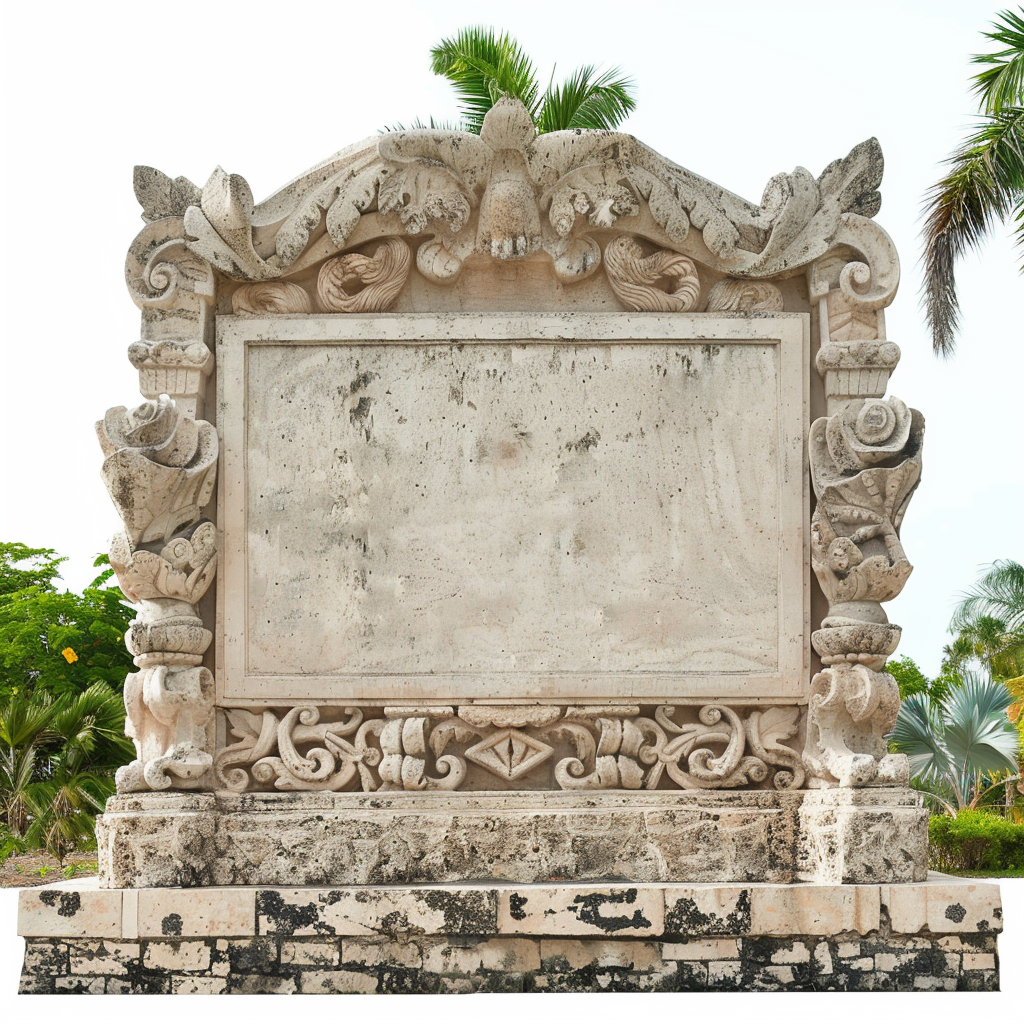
574, 199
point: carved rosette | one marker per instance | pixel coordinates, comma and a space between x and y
480, 748
159, 470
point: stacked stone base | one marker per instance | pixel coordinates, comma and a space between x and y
937, 935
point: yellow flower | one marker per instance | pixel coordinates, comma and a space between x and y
69, 655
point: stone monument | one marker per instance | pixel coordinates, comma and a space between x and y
509, 520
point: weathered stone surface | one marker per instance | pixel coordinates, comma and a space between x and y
564, 910
856, 837
69, 909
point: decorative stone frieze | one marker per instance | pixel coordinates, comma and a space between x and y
588, 747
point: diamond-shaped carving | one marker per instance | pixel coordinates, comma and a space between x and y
509, 753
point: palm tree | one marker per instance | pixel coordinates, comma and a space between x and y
985, 182
57, 762
484, 67
961, 749
990, 616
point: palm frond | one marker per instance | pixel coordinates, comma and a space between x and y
1001, 83
985, 184
586, 101
919, 734
483, 66
978, 734
418, 123
999, 594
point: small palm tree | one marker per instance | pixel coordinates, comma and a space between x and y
962, 749
985, 182
484, 66
57, 762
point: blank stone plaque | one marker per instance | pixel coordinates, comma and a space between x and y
510, 514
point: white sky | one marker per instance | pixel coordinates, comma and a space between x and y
734, 91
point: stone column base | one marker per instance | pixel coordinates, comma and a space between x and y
937, 935
328, 839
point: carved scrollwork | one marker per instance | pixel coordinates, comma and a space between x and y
270, 298
851, 710
380, 277
532, 193
733, 296
163, 273
478, 747
633, 277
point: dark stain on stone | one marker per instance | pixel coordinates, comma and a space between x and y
515, 907
67, 903
359, 415
171, 924
361, 381
686, 919
466, 913
585, 443
588, 911
287, 918
955, 912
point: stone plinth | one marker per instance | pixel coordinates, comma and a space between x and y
936, 935
872, 835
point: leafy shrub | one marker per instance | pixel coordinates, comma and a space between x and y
974, 841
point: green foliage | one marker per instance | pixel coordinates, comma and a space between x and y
62, 668
985, 181
38, 624
484, 66
974, 840
958, 747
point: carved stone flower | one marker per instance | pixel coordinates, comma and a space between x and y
154, 428
868, 431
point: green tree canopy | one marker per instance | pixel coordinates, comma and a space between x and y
55, 642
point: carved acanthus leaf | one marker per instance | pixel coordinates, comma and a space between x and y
160, 468
851, 710
517, 181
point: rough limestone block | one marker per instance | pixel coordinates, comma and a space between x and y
814, 909
707, 910
190, 986
367, 953
573, 954
862, 837
940, 907
457, 911
324, 982
701, 949
71, 909
567, 910
177, 956
196, 912
310, 953
490, 955
103, 957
